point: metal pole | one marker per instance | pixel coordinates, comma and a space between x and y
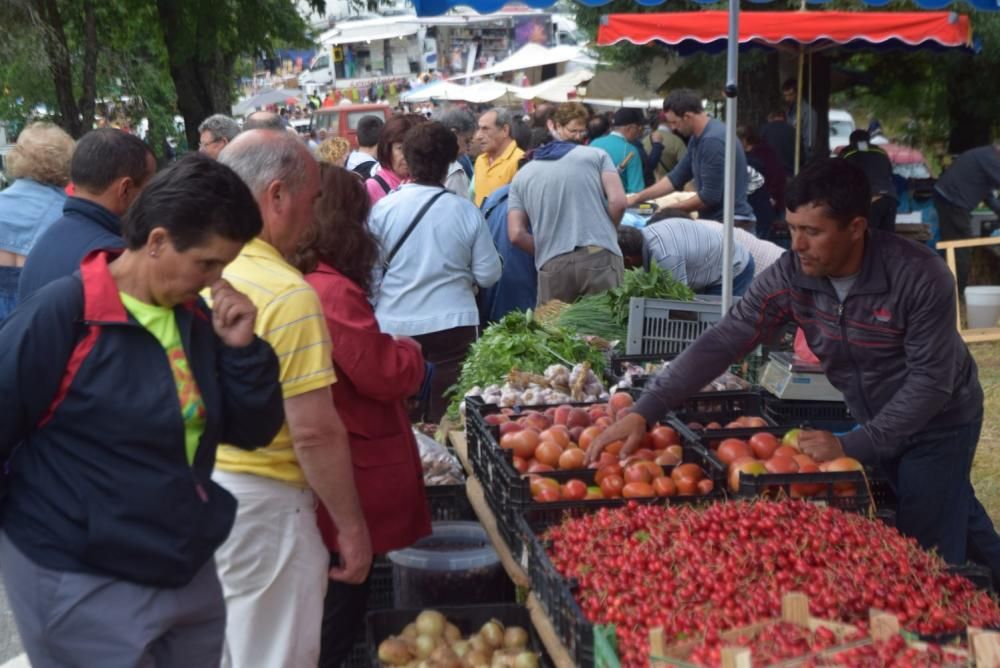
728, 201
798, 112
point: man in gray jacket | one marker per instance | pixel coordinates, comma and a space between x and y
875, 309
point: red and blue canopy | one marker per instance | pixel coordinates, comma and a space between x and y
708, 30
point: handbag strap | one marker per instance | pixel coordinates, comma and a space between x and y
409, 230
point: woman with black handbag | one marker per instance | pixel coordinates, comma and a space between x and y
436, 253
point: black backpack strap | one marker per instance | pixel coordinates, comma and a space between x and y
365, 169
409, 230
381, 182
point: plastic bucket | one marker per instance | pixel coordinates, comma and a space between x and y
982, 304
455, 565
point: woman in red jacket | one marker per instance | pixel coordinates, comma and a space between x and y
375, 374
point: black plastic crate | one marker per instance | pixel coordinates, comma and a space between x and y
721, 407
780, 484
468, 618
980, 576
832, 416
380, 588
616, 370
556, 595
449, 503
359, 656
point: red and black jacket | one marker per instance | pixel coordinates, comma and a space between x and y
100, 482
891, 347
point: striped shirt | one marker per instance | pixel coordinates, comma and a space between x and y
290, 318
690, 251
763, 252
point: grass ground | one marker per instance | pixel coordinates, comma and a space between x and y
986, 468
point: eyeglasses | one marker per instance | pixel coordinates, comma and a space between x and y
202, 144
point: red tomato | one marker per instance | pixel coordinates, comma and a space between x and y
538, 467
664, 486
763, 444
614, 447
547, 495
572, 458
611, 486
692, 471
686, 486
605, 471
663, 436
732, 449
558, 435
548, 453
781, 465
520, 464
537, 483
573, 490
785, 451
705, 486
638, 473
588, 435
524, 443
638, 490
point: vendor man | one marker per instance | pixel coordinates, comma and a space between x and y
690, 251
875, 308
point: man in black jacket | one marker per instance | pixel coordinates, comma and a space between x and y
875, 308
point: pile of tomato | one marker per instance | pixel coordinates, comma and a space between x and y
699, 571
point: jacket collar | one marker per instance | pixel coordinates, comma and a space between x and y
95, 212
101, 302
871, 280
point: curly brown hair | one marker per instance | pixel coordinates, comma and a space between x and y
339, 236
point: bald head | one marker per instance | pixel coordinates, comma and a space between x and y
261, 157
284, 179
263, 120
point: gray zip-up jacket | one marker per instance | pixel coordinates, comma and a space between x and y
891, 347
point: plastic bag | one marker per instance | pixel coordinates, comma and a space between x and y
801, 348
441, 467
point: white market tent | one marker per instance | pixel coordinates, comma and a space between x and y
528, 56
367, 30
480, 93
558, 89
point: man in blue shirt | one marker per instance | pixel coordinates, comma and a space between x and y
108, 171
704, 162
626, 128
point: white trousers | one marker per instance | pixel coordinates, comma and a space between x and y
273, 569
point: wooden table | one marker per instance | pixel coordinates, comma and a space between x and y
978, 334
474, 489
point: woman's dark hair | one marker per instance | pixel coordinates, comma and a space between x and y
598, 126
193, 199
340, 235
429, 149
837, 185
393, 132
667, 213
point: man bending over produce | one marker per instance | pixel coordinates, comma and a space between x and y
877, 310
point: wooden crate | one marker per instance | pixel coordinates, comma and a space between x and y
794, 610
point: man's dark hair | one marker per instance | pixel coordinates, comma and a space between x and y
749, 134
683, 101
369, 128
790, 84
263, 120
839, 186
193, 199
521, 134
429, 149
630, 241
666, 214
105, 155
598, 126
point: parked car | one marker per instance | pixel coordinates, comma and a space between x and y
841, 126
342, 119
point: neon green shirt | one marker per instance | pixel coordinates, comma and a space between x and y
161, 323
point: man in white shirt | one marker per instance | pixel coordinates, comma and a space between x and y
363, 160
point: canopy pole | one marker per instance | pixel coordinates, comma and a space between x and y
728, 201
798, 110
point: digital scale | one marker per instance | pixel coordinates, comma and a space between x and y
788, 377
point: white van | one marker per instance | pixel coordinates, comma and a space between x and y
841, 127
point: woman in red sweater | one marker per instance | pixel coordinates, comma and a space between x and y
375, 374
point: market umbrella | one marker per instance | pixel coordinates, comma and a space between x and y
265, 98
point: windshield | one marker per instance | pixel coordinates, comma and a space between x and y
841, 129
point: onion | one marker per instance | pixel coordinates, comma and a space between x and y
451, 633
515, 638
492, 633
478, 644
425, 646
526, 660
410, 631
393, 652
460, 647
476, 659
444, 657
431, 623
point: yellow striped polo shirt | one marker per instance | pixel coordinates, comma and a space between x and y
290, 318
